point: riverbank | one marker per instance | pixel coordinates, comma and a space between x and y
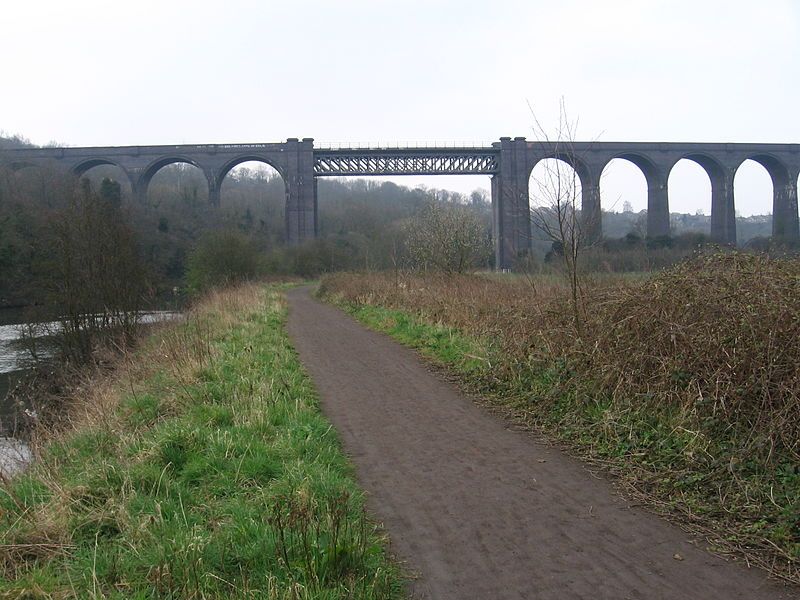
201, 468
32, 377
683, 387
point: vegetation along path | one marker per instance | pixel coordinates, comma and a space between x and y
478, 510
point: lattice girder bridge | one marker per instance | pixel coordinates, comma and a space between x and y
412, 161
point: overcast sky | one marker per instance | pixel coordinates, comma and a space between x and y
145, 72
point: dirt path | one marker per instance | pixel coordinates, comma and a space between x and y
479, 511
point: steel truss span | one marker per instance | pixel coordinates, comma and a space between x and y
456, 161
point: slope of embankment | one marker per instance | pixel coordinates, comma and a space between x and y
202, 468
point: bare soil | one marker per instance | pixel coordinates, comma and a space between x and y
478, 510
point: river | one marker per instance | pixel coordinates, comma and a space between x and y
16, 361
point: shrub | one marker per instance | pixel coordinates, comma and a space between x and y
448, 238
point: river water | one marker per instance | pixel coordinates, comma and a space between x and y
16, 360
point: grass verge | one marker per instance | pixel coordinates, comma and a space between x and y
684, 386
201, 469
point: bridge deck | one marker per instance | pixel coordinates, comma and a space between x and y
407, 161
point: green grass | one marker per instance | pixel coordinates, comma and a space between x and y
216, 477
443, 344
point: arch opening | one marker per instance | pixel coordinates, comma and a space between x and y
250, 162
175, 181
81, 168
753, 187
623, 198
253, 200
570, 159
555, 190
97, 170
689, 189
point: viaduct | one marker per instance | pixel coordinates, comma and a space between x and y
508, 162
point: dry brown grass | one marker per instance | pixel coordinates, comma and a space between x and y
685, 384
718, 335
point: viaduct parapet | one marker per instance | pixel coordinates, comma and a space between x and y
508, 162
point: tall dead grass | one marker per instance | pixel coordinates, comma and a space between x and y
719, 335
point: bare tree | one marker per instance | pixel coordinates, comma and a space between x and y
555, 204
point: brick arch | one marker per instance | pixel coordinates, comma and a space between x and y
243, 158
142, 184
723, 211
784, 195
81, 167
621, 169
581, 167
655, 178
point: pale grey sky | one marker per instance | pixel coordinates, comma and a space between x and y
148, 72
